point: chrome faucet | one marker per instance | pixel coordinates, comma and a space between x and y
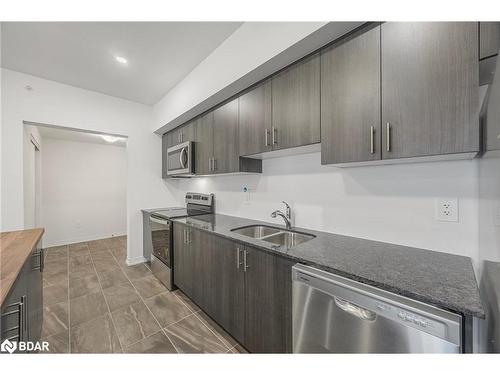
287, 216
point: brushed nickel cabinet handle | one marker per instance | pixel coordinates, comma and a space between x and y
245, 265
238, 262
275, 136
267, 137
210, 164
372, 139
388, 136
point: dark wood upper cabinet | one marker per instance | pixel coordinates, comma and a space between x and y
268, 296
204, 144
225, 136
296, 104
350, 100
255, 120
429, 89
181, 134
489, 39
164, 160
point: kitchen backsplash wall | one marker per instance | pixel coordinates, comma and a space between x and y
391, 203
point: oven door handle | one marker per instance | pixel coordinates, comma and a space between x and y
159, 221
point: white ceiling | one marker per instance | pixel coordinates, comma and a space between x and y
82, 54
79, 136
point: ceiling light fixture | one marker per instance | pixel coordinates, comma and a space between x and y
121, 60
109, 138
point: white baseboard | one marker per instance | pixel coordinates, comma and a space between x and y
82, 239
136, 260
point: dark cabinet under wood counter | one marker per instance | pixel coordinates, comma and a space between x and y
21, 285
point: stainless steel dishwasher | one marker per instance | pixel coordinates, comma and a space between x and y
333, 314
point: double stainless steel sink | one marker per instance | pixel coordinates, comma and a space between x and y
276, 236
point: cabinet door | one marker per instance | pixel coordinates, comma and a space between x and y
429, 88
35, 294
268, 296
183, 261
164, 160
489, 39
225, 136
255, 120
11, 311
350, 100
204, 143
173, 137
296, 104
226, 299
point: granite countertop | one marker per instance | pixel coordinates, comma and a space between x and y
15, 248
443, 280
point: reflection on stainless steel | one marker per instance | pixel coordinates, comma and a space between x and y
289, 239
276, 236
256, 231
332, 314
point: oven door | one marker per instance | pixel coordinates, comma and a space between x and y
180, 159
161, 239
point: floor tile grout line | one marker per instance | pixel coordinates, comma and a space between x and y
219, 337
144, 302
107, 305
69, 304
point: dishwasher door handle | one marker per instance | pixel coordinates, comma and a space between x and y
355, 310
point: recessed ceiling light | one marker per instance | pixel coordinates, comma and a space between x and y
121, 60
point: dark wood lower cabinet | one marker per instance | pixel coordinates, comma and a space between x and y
268, 299
247, 291
183, 261
22, 310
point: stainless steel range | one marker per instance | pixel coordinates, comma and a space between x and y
162, 235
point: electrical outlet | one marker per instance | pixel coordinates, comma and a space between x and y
447, 209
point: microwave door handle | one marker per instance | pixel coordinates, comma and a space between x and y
181, 157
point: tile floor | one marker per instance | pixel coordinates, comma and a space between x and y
95, 303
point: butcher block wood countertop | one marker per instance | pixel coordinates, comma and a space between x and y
15, 248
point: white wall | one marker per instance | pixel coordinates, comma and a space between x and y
250, 46
32, 182
392, 203
84, 191
54, 103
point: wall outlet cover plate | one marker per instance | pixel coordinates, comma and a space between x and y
446, 209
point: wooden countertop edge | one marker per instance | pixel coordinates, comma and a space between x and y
15, 248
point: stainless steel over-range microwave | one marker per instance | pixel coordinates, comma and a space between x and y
180, 160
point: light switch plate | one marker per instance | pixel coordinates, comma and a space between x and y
446, 209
